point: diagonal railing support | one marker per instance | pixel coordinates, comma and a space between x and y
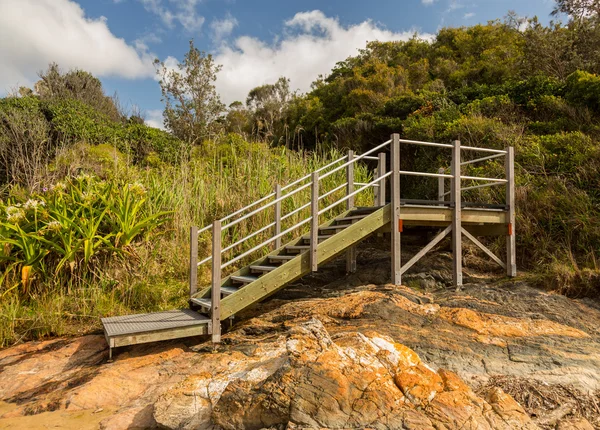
483, 248
426, 249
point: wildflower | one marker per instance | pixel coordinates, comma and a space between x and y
59, 187
14, 214
83, 177
33, 204
88, 197
137, 188
45, 189
54, 226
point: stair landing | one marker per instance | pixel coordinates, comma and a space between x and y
141, 328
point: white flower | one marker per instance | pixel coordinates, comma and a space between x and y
54, 226
137, 188
88, 197
59, 186
33, 204
84, 177
14, 214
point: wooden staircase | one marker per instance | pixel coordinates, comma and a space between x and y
277, 265
270, 273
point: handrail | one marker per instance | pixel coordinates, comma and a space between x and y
268, 205
266, 242
331, 171
477, 160
304, 178
354, 160
343, 199
233, 245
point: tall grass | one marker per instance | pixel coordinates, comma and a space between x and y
118, 243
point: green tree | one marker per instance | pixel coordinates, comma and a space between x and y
193, 106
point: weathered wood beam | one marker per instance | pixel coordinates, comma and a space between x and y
483, 248
193, 260
456, 217
426, 249
395, 209
511, 243
216, 283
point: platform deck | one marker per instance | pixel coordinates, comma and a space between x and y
141, 328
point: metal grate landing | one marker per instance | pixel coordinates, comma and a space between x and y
141, 323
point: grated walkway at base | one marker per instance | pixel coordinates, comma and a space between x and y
141, 323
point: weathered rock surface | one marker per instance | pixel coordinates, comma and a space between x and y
348, 356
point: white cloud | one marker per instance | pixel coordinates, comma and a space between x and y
469, 15
427, 2
312, 44
184, 11
154, 118
222, 28
34, 33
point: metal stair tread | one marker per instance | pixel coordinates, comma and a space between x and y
263, 268
205, 303
335, 227
351, 217
228, 290
244, 279
281, 257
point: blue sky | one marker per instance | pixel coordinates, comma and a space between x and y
256, 41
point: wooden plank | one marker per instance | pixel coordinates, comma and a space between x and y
300, 266
483, 248
351, 252
193, 260
314, 223
381, 170
426, 249
456, 217
277, 229
395, 210
156, 336
511, 243
216, 283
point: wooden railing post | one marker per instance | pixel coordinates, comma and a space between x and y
511, 243
277, 216
193, 260
456, 216
395, 208
215, 295
314, 222
441, 186
381, 168
351, 252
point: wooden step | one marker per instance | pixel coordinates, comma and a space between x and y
244, 279
335, 227
228, 290
280, 258
263, 268
298, 248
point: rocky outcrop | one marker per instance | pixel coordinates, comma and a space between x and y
363, 357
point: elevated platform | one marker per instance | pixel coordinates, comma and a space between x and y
142, 328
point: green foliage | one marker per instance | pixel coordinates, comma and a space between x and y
583, 88
62, 234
